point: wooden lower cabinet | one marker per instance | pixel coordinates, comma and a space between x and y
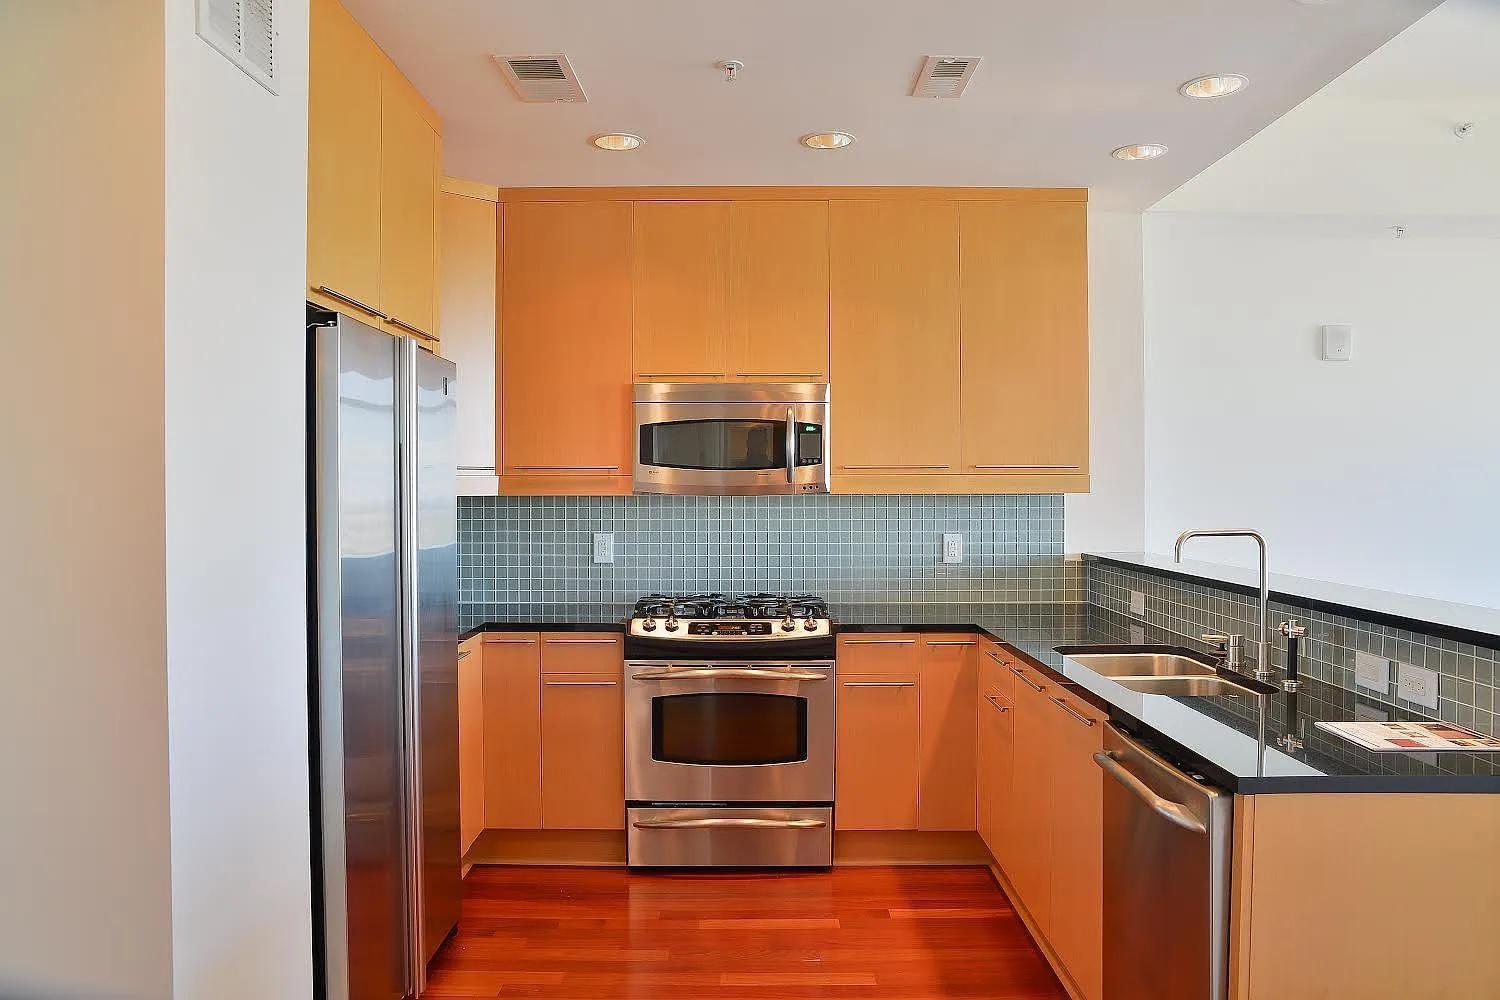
583, 751
470, 742
947, 737
996, 750
1026, 836
513, 731
1077, 883
876, 769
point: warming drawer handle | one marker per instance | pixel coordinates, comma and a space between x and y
1174, 812
729, 822
733, 673
1038, 688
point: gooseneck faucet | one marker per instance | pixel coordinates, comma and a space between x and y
1263, 657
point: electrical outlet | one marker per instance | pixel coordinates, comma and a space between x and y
1373, 672
1417, 684
953, 547
1137, 635
1138, 604
604, 547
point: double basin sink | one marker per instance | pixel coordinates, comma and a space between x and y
1161, 672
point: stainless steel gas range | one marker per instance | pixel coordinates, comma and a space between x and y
729, 732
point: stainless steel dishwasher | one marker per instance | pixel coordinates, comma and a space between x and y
1166, 878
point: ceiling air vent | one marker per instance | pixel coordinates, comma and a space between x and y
542, 79
944, 76
245, 32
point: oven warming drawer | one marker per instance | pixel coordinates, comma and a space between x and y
729, 837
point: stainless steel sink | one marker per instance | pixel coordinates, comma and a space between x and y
1187, 687
1141, 664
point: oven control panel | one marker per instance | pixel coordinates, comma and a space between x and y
726, 629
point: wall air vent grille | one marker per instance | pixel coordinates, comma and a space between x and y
542, 79
245, 32
944, 76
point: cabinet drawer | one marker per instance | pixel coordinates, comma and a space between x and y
879, 653
994, 669
582, 653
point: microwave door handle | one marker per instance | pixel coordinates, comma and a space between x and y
791, 446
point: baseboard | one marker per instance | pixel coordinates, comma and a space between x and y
868, 848
566, 848
1074, 993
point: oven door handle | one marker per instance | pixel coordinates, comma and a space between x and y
729, 822
735, 673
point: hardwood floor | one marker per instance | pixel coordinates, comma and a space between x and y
914, 933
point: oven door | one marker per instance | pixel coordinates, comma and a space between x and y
722, 448
729, 732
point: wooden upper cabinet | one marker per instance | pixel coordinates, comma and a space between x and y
410, 175
778, 291
680, 308
467, 271
948, 738
565, 368
1024, 294
895, 338
343, 156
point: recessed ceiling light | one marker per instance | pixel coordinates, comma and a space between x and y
1218, 85
1140, 151
827, 140
617, 141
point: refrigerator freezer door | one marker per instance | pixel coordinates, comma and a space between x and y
360, 717
434, 389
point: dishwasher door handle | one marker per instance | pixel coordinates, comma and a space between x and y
1174, 812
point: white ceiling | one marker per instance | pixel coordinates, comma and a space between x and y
1062, 83
1379, 141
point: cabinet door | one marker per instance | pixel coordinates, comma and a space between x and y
467, 285
679, 264
1027, 824
410, 173
1025, 338
996, 750
583, 752
1077, 890
948, 692
565, 347
343, 156
470, 742
512, 727
778, 291
877, 747
895, 337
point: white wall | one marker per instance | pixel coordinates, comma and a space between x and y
84, 853
1384, 472
1111, 515
235, 419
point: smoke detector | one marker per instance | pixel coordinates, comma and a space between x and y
542, 79
944, 76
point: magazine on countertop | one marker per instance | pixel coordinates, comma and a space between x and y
1407, 737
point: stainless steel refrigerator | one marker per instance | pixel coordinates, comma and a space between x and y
384, 652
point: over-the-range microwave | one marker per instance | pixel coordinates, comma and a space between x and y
731, 439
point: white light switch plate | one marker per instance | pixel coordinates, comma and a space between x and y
953, 547
604, 547
1373, 672
1417, 684
1138, 604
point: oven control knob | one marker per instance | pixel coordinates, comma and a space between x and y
788, 625
810, 625
671, 625
649, 625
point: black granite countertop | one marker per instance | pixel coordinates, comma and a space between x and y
1218, 736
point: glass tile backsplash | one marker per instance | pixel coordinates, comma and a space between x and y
849, 549
1466, 673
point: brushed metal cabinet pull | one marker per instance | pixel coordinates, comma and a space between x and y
952, 642
880, 684
1072, 711
566, 468
778, 375
869, 467
414, 330
464, 652
581, 642
880, 642
1038, 688
993, 701
351, 300
1025, 466
581, 684
510, 641
679, 375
